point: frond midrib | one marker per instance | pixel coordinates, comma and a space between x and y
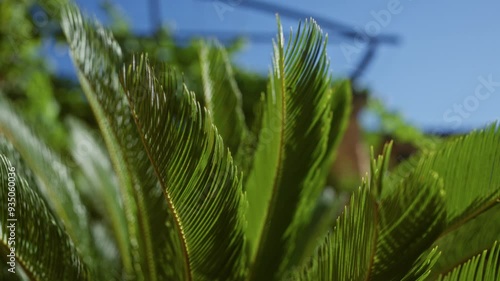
452, 267
459, 223
171, 206
274, 194
116, 155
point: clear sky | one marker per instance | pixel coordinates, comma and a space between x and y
445, 72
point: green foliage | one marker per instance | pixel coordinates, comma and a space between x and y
279, 190
61, 260
480, 267
24, 76
222, 96
181, 185
207, 207
367, 240
55, 182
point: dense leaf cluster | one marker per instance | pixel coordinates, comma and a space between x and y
182, 188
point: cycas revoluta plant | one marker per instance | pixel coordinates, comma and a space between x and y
193, 193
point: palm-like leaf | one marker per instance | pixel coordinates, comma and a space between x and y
470, 169
467, 240
346, 253
100, 183
325, 211
341, 111
200, 182
485, 266
410, 219
176, 249
367, 240
222, 96
473, 160
43, 249
288, 172
154, 253
56, 184
177, 207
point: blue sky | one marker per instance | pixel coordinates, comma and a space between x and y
445, 72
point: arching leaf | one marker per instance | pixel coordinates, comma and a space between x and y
101, 185
467, 241
469, 161
470, 169
347, 252
310, 234
196, 172
422, 267
367, 241
155, 245
222, 95
341, 110
56, 185
30, 235
485, 266
410, 219
288, 171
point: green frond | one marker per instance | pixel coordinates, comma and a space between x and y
101, 186
378, 171
411, 219
366, 242
187, 189
56, 185
325, 211
423, 266
347, 252
154, 245
485, 266
470, 169
288, 171
222, 96
30, 232
472, 160
196, 172
468, 240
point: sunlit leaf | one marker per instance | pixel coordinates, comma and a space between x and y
30, 235
153, 243
201, 184
288, 172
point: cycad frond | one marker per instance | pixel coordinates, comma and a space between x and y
154, 249
410, 219
468, 240
422, 267
41, 247
56, 184
201, 183
366, 242
472, 160
485, 266
288, 171
101, 185
311, 233
470, 169
184, 178
222, 96
346, 253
